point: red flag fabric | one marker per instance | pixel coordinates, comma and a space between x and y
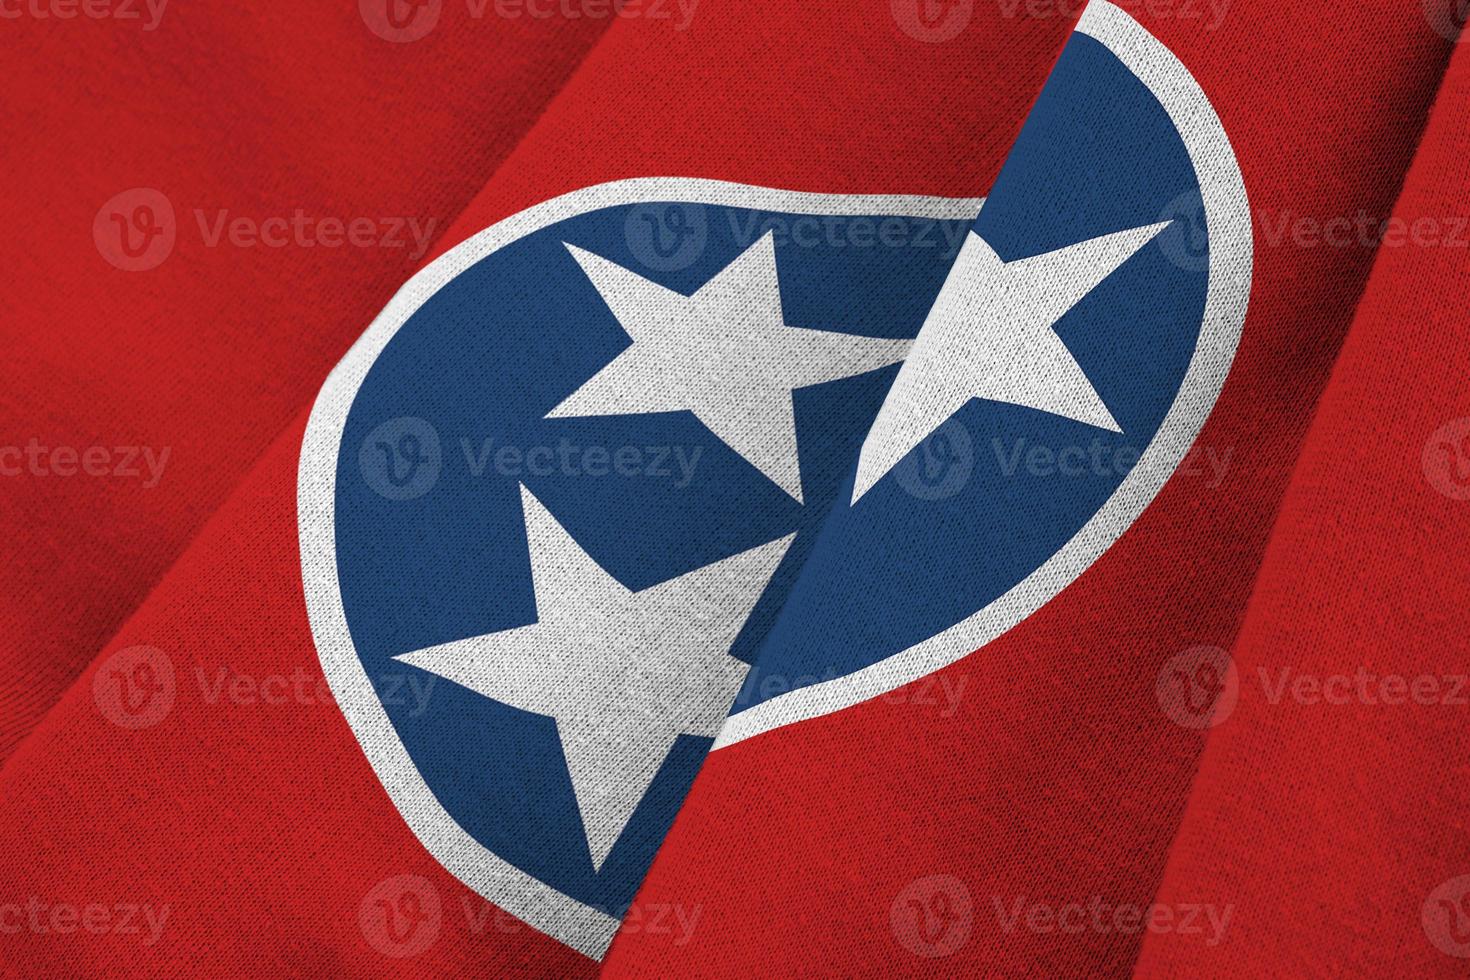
223, 800
254, 137
1014, 813
1226, 745
1345, 739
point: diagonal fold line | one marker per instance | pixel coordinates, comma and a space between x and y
1250, 603
300, 414
841, 502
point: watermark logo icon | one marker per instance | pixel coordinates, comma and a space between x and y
941, 465
400, 21
1199, 687
136, 230
1186, 242
1446, 459
666, 237
134, 688
932, 21
400, 917
401, 458
1446, 917
932, 916
1448, 17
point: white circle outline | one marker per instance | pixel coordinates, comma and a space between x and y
587, 929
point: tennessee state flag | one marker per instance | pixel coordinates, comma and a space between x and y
703, 489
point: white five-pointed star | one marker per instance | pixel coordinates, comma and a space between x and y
989, 335
623, 673
724, 353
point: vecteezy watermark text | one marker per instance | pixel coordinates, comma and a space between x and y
405, 21
137, 230
937, 21
137, 687
404, 915
672, 235
1200, 687
1209, 14
37, 459
1101, 459
403, 458
940, 690
1363, 230
304, 230
568, 458
1098, 915
1364, 687
41, 918
148, 12
848, 231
